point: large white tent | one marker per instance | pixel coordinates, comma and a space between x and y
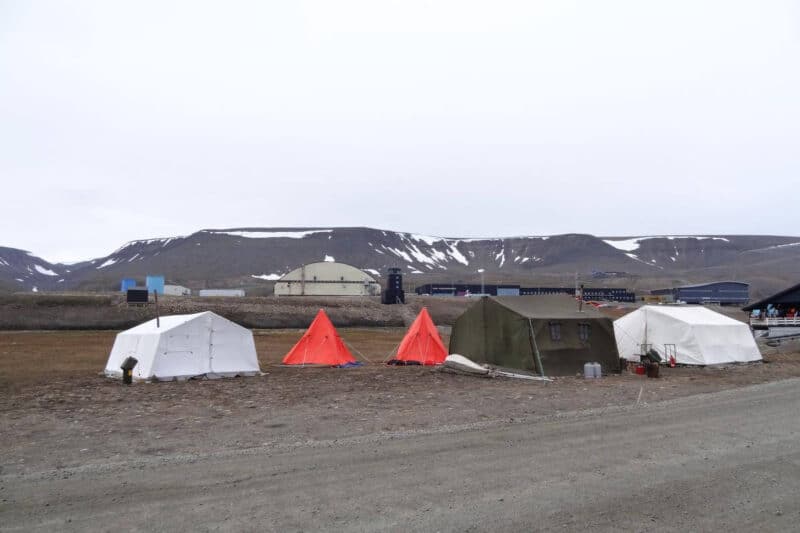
700, 336
185, 346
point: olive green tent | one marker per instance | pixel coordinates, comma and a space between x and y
548, 335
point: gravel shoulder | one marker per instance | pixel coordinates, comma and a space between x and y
722, 461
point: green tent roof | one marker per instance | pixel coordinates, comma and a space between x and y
549, 306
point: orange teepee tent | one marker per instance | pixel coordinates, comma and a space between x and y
422, 344
320, 345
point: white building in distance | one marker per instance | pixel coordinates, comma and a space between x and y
327, 279
176, 290
236, 293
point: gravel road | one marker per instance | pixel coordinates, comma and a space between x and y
727, 461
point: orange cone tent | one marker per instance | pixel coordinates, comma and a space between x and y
320, 345
422, 344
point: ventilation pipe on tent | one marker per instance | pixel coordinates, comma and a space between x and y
158, 317
127, 369
644, 350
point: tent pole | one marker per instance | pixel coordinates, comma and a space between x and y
537, 361
158, 316
210, 346
305, 350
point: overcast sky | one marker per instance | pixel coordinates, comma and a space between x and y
126, 120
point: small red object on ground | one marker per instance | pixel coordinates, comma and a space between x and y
640, 370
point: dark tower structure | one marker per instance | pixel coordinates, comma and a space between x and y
394, 293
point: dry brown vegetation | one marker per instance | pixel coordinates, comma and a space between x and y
40, 357
92, 312
54, 401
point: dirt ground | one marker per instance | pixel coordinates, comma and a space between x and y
57, 410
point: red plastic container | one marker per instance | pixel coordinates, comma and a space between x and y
640, 370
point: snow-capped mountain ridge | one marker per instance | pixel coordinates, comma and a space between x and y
21, 270
244, 256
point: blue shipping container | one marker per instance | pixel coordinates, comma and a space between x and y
127, 283
508, 291
155, 283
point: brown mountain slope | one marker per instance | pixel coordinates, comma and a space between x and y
238, 257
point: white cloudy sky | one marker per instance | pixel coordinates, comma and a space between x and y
124, 120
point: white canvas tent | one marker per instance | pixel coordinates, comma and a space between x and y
700, 336
185, 346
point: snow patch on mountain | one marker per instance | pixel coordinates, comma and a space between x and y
45, 271
626, 245
456, 254
107, 263
777, 247
517, 237
632, 244
501, 257
267, 277
163, 241
636, 258
418, 255
270, 234
399, 253
430, 241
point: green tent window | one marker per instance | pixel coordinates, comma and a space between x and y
555, 331
584, 330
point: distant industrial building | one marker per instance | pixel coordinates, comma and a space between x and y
138, 295
155, 284
601, 274
394, 293
327, 279
237, 293
718, 292
464, 289
781, 310
176, 290
602, 294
